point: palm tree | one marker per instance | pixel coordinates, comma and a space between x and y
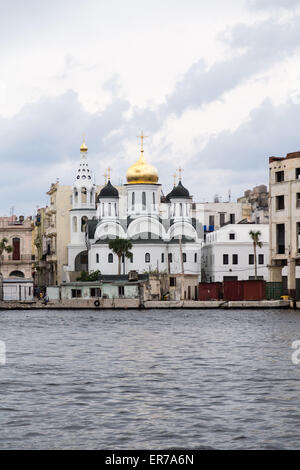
121, 247
256, 243
3, 247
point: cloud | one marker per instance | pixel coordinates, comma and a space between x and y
271, 4
262, 46
239, 159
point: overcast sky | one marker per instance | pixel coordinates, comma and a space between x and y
215, 85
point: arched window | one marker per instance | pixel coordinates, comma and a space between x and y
181, 212
75, 196
184, 257
195, 257
133, 200
109, 209
153, 200
84, 196
97, 258
16, 249
17, 274
147, 258
84, 220
75, 228
144, 200
110, 258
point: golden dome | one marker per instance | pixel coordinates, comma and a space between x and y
141, 172
83, 148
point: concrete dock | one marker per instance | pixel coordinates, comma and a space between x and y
120, 304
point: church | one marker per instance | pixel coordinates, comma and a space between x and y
165, 236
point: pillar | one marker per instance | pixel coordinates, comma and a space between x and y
292, 278
275, 273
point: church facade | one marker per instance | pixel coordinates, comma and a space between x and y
164, 235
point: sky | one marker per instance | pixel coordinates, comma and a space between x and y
214, 85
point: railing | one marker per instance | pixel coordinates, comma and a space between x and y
27, 257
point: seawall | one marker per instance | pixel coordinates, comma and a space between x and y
124, 304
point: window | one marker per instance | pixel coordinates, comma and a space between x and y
181, 209
251, 259
260, 259
297, 199
235, 259
144, 200
211, 220
279, 176
184, 257
196, 293
121, 291
16, 249
230, 278
154, 200
170, 257
222, 219
280, 239
133, 200
189, 292
84, 220
97, 258
195, 257
162, 257
259, 278
95, 292
131, 258
109, 209
279, 203
110, 258
297, 173
147, 258
225, 259
74, 224
83, 195
232, 218
232, 236
172, 281
76, 293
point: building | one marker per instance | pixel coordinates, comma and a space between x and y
284, 203
227, 254
18, 263
164, 235
257, 200
214, 215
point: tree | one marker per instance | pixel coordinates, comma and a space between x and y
3, 247
256, 243
121, 247
89, 277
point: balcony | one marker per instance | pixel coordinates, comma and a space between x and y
22, 259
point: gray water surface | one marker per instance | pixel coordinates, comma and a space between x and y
187, 379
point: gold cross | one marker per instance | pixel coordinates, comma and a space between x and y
142, 137
174, 176
180, 170
108, 173
105, 177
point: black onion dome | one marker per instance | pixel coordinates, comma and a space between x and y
168, 196
108, 191
178, 191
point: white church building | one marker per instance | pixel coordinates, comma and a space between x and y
164, 234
